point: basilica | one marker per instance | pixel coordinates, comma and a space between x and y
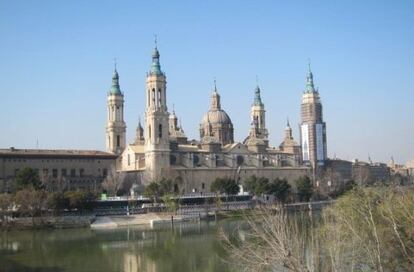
162, 150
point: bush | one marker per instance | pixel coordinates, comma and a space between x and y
225, 185
280, 188
27, 177
304, 188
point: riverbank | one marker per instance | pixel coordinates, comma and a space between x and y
145, 219
52, 222
148, 219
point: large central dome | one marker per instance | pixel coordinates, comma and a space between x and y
216, 117
216, 123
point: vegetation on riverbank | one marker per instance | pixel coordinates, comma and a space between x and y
33, 199
370, 229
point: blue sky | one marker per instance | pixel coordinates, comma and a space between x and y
56, 62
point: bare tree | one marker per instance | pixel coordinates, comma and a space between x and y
31, 202
113, 181
371, 228
6, 204
273, 242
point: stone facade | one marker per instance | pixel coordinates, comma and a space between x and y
72, 169
368, 173
165, 152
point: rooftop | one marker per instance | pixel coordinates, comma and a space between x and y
55, 152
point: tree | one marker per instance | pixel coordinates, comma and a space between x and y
166, 187
76, 200
225, 185
371, 228
171, 203
57, 202
6, 204
113, 181
304, 188
30, 202
273, 241
27, 177
280, 188
152, 190
257, 186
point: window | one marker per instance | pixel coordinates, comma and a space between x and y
81, 172
45, 172
63, 172
160, 131
129, 159
149, 131
72, 172
16, 171
105, 173
153, 97
159, 97
149, 93
55, 173
202, 185
117, 140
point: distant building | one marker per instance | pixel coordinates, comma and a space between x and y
410, 168
341, 167
367, 173
72, 169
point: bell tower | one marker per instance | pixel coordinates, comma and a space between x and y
115, 125
313, 128
258, 117
157, 147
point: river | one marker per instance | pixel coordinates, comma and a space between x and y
191, 246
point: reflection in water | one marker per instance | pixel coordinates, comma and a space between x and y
185, 247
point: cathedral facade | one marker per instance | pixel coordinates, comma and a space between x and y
162, 150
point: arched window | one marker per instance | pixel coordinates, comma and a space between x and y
153, 97
159, 97
160, 131
117, 140
149, 131
148, 95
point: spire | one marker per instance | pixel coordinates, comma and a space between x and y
257, 98
309, 79
181, 126
139, 137
288, 130
215, 85
139, 123
215, 99
115, 89
156, 66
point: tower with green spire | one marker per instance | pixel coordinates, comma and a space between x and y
157, 146
115, 125
258, 118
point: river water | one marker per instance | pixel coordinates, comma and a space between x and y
191, 246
